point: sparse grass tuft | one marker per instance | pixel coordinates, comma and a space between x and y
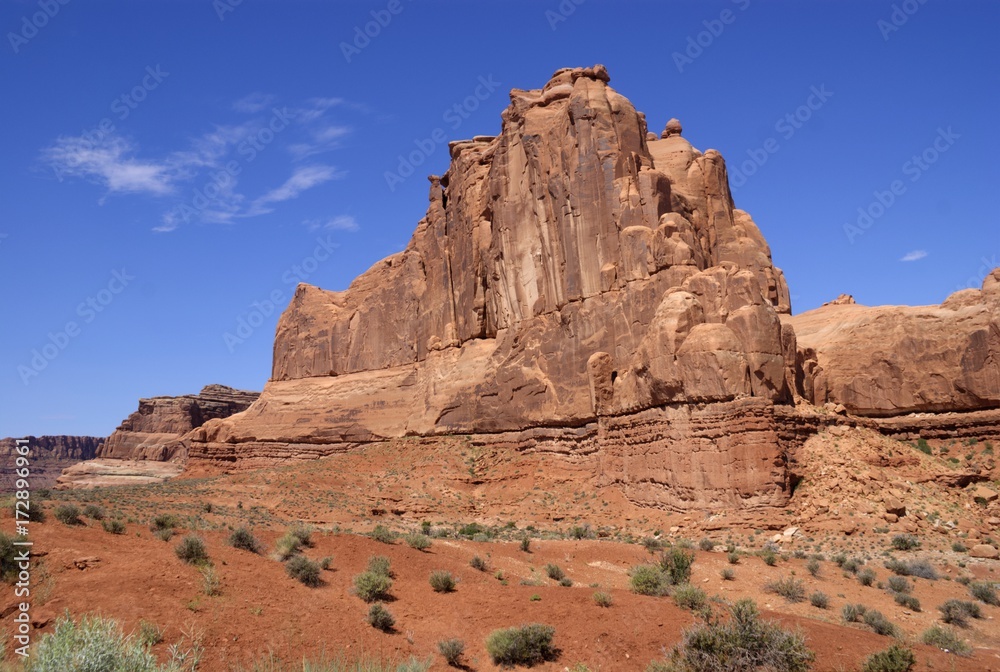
602, 599
478, 563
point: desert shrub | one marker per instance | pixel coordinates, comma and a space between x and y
958, 612
383, 534
93, 644
733, 558
727, 574
67, 514
946, 639
451, 650
690, 597
325, 562
523, 645
243, 539
211, 584
166, 534
420, 542
554, 572
819, 600
907, 601
379, 564
602, 599
676, 563
565, 582
113, 526
839, 559
919, 568
303, 533
526, 544
372, 587
959, 547
163, 521
649, 580
706, 544
380, 618
984, 592
898, 584
964, 580
788, 587
286, 546
304, 570
769, 557
813, 567
896, 658
923, 446
94, 512
852, 565
191, 549
36, 514
478, 563
852, 613
905, 542
881, 625
581, 532
652, 544
442, 581
744, 643
866, 576
8, 557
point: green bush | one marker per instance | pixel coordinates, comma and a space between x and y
946, 639
166, 534
769, 557
163, 521
478, 563
554, 572
383, 534
113, 526
93, 511
8, 557
907, 601
744, 643
243, 539
959, 547
420, 542
380, 618
602, 599
819, 600
690, 597
852, 613
866, 576
524, 645
896, 658
191, 549
93, 644
68, 514
875, 620
788, 587
923, 446
442, 581
286, 546
958, 612
371, 586
905, 542
303, 533
984, 592
304, 570
852, 565
526, 544
451, 650
676, 563
649, 580
727, 574
379, 564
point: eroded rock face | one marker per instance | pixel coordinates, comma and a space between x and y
893, 360
48, 456
570, 269
154, 431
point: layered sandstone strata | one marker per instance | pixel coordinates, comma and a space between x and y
48, 456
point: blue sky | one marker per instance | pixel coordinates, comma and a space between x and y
172, 169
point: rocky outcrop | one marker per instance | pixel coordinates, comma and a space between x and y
155, 430
48, 456
896, 360
572, 271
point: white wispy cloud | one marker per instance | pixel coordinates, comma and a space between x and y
915, 255
110, 162
302, 179
253, 103
338, 223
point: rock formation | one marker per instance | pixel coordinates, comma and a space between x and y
48, 456
154, 431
